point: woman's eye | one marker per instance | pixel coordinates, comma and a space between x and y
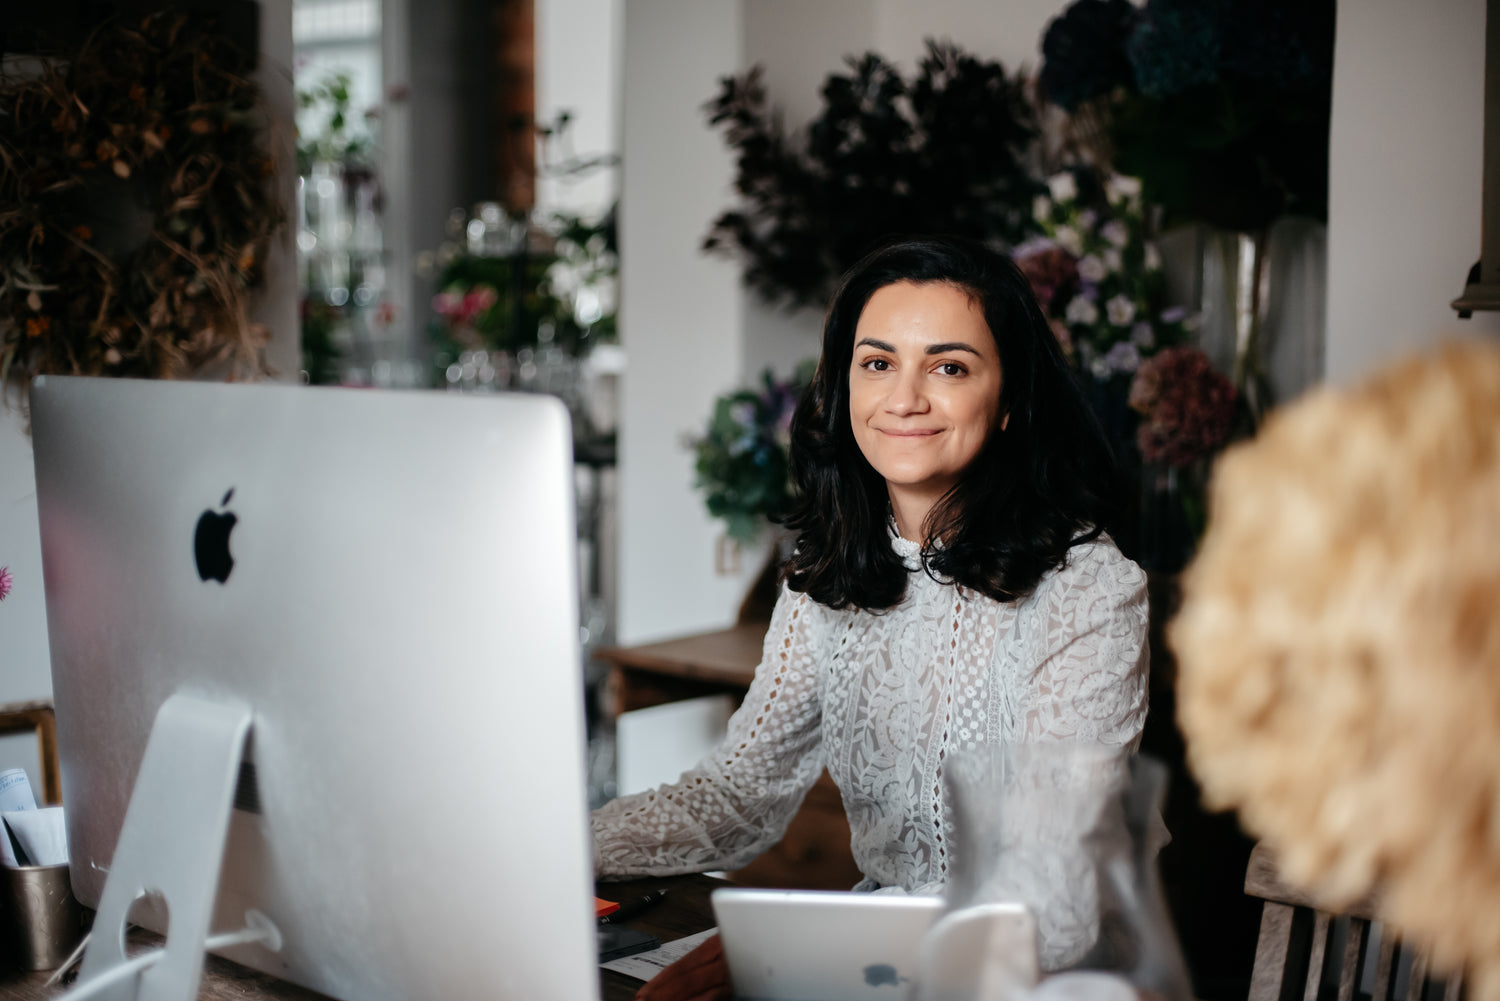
875, 364
951, 368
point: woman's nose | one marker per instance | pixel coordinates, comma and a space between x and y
907, 395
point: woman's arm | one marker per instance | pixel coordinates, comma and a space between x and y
738, 800
1083, 681
1089, 661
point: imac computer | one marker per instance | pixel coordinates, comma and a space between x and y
316, 668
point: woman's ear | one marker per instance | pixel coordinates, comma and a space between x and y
1004, 420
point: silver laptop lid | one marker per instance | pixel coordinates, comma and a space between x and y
820, 945
401, 614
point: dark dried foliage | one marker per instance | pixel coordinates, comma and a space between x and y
943, 152
136, 207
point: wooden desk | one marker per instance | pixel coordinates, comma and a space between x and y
685, 911
684, 668
814, 853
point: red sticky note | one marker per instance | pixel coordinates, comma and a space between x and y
603, 907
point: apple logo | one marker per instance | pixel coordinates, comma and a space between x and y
211, 543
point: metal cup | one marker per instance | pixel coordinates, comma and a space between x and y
39, 918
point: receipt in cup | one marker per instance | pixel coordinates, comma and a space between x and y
41, 835
15, 796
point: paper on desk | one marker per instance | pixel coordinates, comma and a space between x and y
645, 965
15, 794
40, 834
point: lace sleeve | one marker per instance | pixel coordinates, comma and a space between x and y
1086, 684
1087, 679
737, 801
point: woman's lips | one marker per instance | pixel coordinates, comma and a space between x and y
908, 432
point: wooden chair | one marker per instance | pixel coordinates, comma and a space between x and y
37, 716
1295, 942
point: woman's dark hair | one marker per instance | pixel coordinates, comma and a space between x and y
1044, 483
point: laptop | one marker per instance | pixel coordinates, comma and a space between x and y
822, 945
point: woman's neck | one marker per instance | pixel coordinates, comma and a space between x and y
910, 514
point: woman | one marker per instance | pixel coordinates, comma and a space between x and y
952, 584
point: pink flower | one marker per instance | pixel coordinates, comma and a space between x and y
6, 581
1187, 406
448, 303
477, 300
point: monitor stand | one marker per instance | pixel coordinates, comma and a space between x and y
171, 845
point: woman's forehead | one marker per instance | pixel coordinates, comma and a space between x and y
927, 312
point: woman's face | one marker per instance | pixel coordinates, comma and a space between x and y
924, 389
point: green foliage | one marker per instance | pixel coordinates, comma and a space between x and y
341, 140
741, 462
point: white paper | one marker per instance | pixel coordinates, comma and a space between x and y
645, 965
41, 834
15, 794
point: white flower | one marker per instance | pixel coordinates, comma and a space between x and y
1121, 310
1153, 258
1041, 208
1068, 239
1063, 187
1116, 232
1119, 188
1142, 336
1091, 269
1082, 310
1112, 259
1087, 218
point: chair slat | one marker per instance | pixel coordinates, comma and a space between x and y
1385, 961
1316, 957
1354, 947
1416, 982
1271, 952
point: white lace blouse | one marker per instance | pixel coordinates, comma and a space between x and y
879, 699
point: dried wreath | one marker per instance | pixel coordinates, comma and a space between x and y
136, 207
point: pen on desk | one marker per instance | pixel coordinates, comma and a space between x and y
634, 908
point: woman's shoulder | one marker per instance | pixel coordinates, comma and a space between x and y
1094, 565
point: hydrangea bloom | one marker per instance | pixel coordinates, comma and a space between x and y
1187, 407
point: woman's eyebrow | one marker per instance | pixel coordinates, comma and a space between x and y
931, 349
937, 349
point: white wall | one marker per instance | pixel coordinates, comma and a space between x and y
1406, 160
25, 668
578, 48
689, 330
679, 311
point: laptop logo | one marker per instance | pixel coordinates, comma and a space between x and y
211, 542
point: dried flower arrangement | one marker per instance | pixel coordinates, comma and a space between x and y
138, 207
1339, 655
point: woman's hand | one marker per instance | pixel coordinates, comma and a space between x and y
701, 975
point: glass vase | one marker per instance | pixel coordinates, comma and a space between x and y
1071, 831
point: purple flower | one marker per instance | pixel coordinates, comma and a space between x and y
1123, 357
1051, 271
6, 582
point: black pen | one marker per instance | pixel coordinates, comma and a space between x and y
634, 908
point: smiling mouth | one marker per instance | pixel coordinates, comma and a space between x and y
907, 433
